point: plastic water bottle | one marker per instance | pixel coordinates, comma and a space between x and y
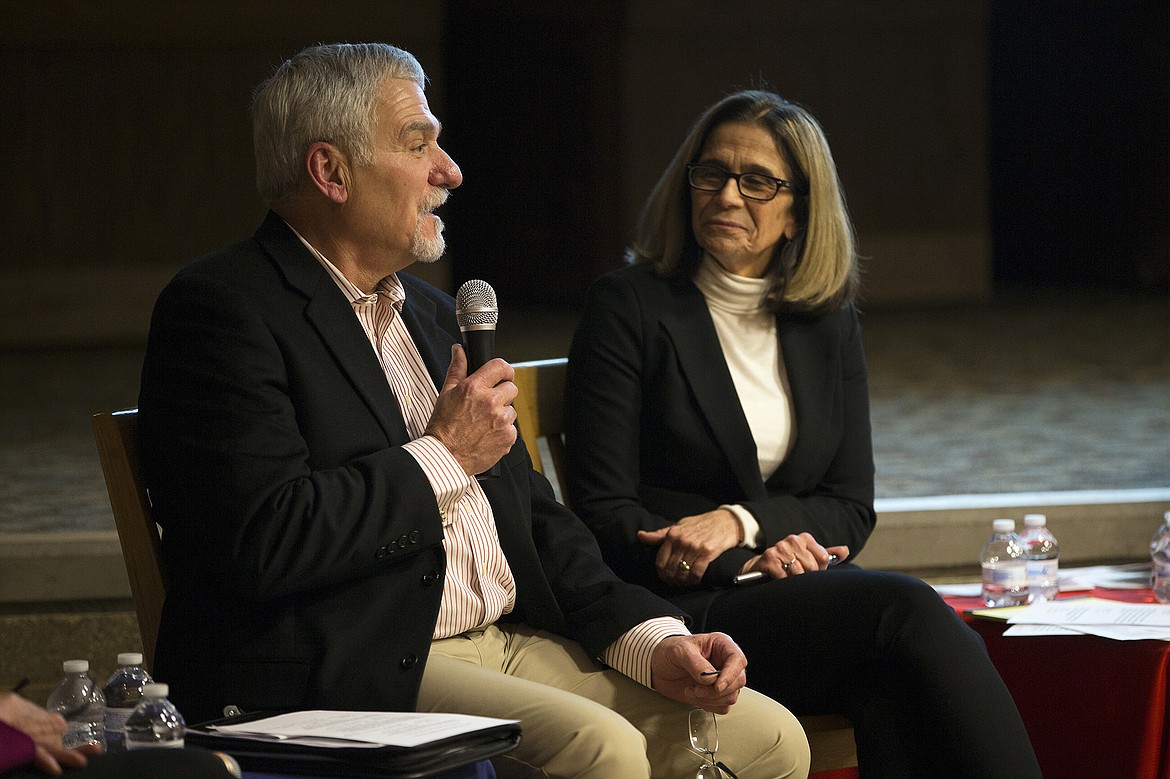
1005, 568
1043, 555
1160, 559
123, 692
79, 700
155, 722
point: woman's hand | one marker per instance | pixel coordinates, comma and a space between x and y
45, 728
793, 556
687, 547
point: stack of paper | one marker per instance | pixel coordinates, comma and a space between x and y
1086, 616
359, 729
1134, 576
357, 744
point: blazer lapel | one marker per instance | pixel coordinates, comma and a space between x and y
689, 327
812, 367
332, 317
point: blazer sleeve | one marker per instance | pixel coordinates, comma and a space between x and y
16, 748
603, 437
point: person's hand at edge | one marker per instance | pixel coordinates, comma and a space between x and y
45, 728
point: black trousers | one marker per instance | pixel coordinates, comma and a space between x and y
888, 653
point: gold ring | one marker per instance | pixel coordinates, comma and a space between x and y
684, 565
788, 564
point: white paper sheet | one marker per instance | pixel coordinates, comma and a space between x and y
1134, 576
361, 728
1093, 616
1114, 577
1094, 611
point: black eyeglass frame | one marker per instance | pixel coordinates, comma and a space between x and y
724, 770
780, 183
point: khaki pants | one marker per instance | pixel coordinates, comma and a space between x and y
581, 721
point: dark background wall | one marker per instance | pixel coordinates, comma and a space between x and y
983, 144
1079, 160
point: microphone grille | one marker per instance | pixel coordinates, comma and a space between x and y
475, 304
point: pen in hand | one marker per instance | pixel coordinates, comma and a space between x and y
756, 577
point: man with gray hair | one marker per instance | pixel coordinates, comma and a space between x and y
310, 437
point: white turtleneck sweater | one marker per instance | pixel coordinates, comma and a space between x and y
747, 335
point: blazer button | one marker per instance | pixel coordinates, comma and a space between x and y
409, 662
429, 578
415, 536
402, 541
382, 552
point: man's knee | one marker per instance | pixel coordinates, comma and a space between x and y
760, 739
611, 740
602, 744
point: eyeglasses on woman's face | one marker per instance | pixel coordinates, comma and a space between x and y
754, 186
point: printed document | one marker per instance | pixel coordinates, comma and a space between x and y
351, 729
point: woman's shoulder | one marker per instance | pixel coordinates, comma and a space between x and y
636, 273
641, 280
841, 322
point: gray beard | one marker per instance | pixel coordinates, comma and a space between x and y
427, 250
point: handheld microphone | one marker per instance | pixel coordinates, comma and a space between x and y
476, 313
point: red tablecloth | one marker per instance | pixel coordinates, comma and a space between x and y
1094, 707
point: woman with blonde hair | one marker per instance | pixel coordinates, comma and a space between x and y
719, 447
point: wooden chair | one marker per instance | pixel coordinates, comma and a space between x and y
539, 418
116, 434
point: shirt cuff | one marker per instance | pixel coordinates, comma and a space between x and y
753, 535
448, 479
631, 652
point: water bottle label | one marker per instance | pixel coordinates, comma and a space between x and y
1009, 576
81, 733
115, 721
174, 744
1045, 570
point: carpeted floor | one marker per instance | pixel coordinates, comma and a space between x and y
1063, 392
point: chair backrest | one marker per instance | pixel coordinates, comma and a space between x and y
539, 416
116, 434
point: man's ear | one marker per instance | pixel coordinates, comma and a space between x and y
328, 169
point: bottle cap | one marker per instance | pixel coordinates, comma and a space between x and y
129, 658
1035, 520
156, 690
75, 666
1003, 525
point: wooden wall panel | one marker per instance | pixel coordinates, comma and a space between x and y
899, 88
132, 146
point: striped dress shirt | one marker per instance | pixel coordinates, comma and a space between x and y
479, 586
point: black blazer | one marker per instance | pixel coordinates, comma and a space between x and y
655, 431
304, 545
